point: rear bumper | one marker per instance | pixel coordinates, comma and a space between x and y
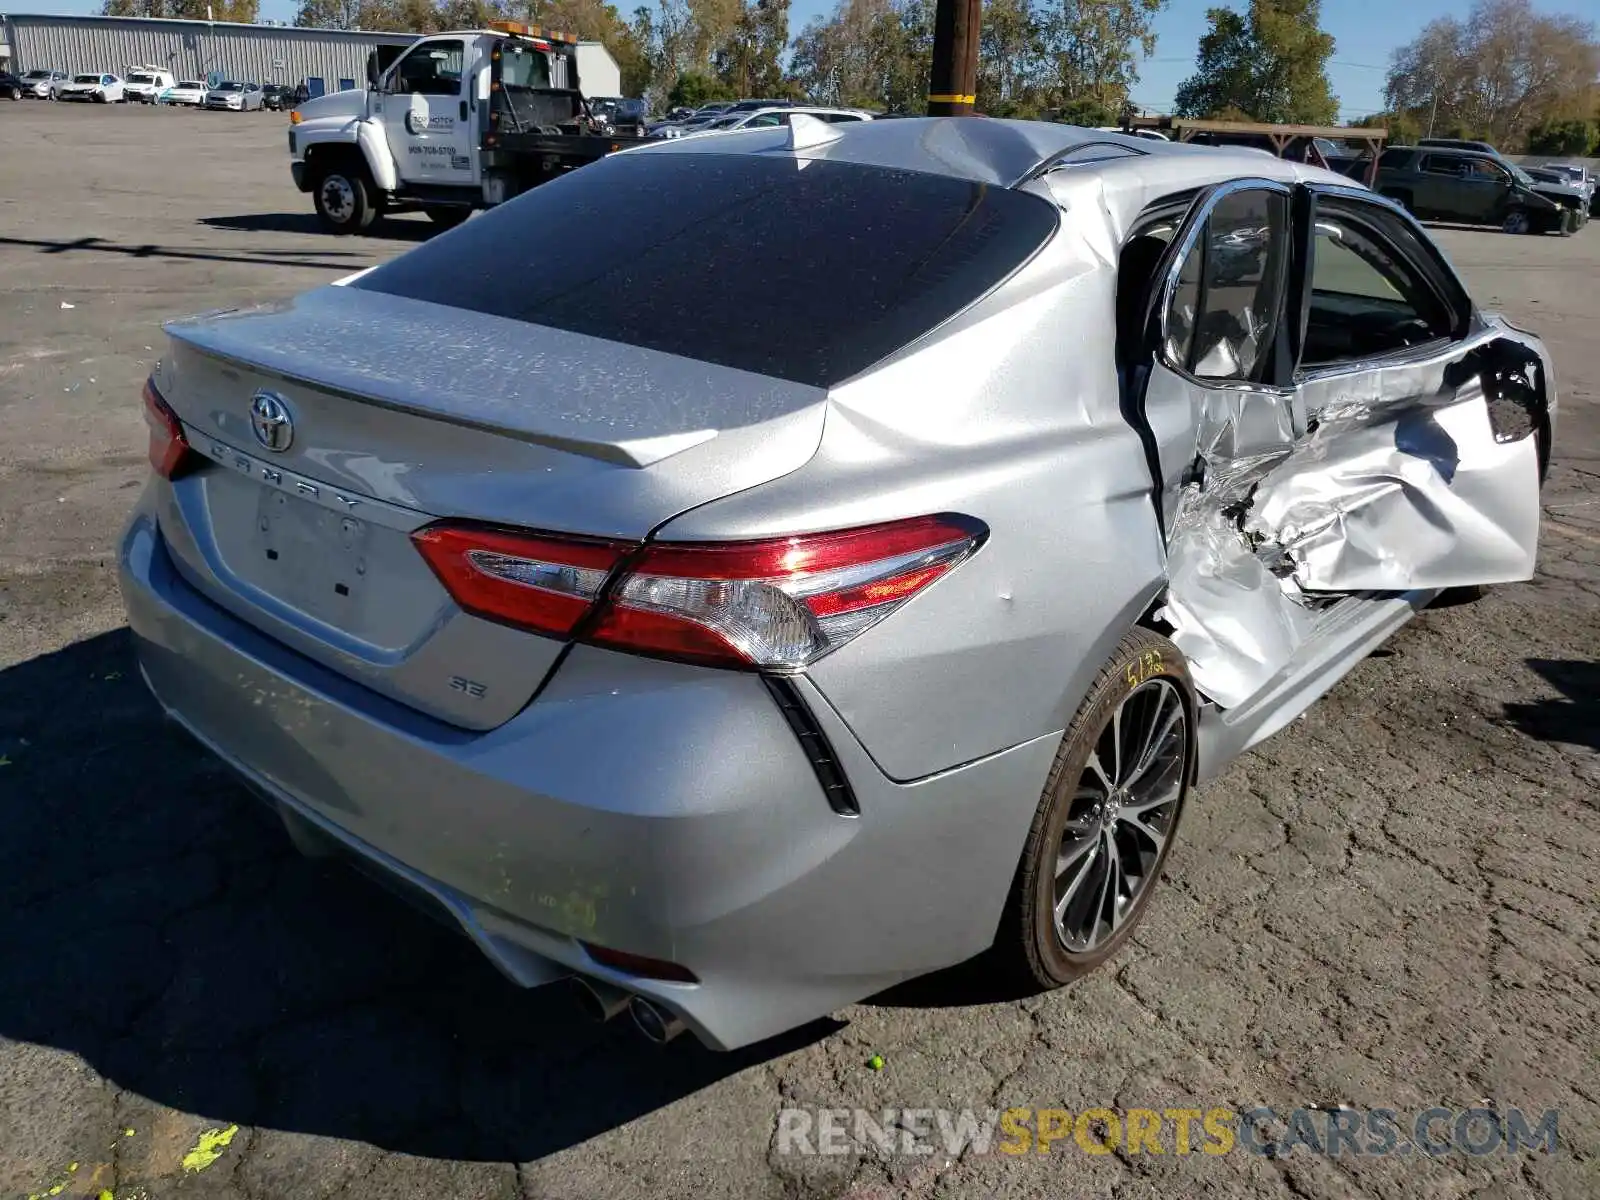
655, 808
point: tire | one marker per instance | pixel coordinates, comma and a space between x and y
16, 93
1517, 222
446, 216
343, 198
1147, 681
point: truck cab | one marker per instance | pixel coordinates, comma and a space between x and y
452, 122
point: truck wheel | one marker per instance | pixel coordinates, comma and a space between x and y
343, 197
1517, 221
446, 216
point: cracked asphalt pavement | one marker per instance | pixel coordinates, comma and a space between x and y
1392, 904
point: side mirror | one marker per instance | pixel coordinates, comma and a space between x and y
372, 70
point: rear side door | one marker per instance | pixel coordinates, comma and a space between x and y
1491, 186
1221, 341
426, 104
1437, 189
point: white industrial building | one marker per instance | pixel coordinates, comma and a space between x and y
327, 59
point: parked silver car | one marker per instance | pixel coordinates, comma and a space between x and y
44, 84
743, 668
239, 97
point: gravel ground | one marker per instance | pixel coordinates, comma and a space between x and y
1392, 904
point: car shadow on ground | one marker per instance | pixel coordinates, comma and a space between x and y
154, 921
315, 260
1574, 718
393, 229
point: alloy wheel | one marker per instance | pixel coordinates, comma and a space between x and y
1123, 811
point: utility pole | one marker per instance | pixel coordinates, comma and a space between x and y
953, 82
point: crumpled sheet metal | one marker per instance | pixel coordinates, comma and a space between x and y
1230, 617
1364, 495
1424, 499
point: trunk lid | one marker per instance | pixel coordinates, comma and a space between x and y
400, 412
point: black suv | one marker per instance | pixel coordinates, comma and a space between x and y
1441, 184
277, 96
11, 87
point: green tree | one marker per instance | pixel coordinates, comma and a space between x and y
400, 16
1502, 71
1088, 112
1404, 127
1033, 55
750, 60
1095, 45
1011, 64
868, 53
1569, 137
694, 88
1269, 63
328, 14
184, 10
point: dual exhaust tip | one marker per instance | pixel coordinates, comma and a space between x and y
602, 1002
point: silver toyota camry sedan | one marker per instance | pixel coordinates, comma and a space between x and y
742, 667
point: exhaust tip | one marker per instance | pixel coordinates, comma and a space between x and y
656, 1023
599, 1001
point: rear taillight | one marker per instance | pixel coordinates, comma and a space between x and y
780, 603
545, 584
170, 454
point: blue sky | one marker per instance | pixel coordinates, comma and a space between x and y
1367, 30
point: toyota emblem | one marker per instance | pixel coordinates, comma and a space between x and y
270, 421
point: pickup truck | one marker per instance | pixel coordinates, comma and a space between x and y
448, 124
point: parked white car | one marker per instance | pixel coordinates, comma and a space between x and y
191, 92
238, 97
145, 84
101, 89
763, 118
44, 84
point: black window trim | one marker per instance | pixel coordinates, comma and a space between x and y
1434, 272
1199, 216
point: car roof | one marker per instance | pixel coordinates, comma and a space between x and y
998, 152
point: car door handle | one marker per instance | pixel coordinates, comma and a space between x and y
463, 111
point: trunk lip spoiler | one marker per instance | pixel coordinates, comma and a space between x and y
633, 452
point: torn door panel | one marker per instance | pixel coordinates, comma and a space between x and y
1416, 476
1426, 498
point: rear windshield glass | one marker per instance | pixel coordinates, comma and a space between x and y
815, 273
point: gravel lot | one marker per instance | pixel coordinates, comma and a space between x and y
1393, 904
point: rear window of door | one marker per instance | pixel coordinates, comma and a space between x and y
1223, 317
823, 271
